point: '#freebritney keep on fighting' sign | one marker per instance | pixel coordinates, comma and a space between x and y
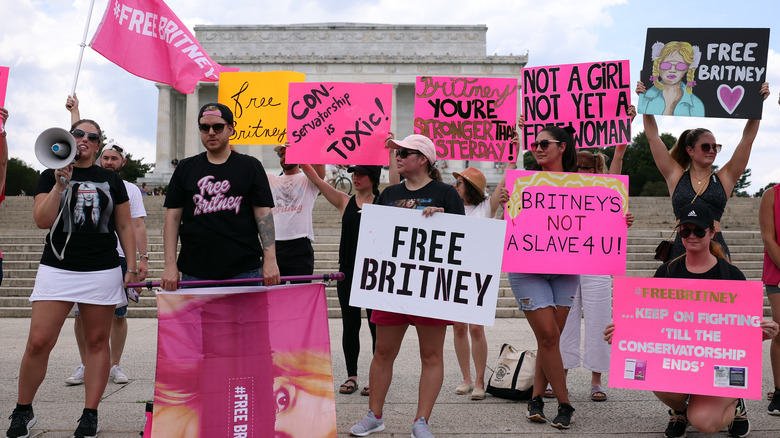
687, 336
565, 223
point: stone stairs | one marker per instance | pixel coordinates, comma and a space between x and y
22, 243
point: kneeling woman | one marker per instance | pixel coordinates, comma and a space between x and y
703, 259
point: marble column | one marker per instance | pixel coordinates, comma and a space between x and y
164, 128
192, 142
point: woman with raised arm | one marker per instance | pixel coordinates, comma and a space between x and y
545, 299
83, 205
687, 169
365, 180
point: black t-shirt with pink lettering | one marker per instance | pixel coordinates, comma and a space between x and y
218, 232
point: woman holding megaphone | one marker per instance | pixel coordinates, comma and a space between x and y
82, 205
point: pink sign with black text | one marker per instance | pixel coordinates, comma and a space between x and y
565, 223
592, 97
687, 336
467, 118
244, 362
338, 123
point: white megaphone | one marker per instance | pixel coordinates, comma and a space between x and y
56, 148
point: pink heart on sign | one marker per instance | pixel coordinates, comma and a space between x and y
730, 97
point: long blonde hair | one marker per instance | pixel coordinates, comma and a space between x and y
686, 51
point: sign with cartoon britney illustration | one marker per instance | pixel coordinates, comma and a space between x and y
687, 335
704, 72
565, 223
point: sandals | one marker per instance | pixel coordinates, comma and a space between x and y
549, 393
348, 387
597, 393
365, 391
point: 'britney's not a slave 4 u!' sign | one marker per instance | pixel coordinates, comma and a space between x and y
690, 336
565, 223
467, 118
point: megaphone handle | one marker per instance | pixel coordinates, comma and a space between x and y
63, 180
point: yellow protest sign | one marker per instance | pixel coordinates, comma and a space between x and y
259, 104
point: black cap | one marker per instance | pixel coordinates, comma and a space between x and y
695, 214
372, 172
223, 111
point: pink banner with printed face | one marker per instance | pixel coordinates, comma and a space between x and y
148, 40
467, 118
592, 97
3, 85
687, 336
244, 362
339, 123
565, 223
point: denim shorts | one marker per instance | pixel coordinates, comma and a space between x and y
772, 289
536, 291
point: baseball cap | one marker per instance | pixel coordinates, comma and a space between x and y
417, 142
695, 214
372, 172
216, 109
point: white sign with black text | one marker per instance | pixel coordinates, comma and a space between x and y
446, 266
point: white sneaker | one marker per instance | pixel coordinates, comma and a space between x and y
78, 376
117, 375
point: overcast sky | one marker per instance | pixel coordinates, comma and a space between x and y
40, 42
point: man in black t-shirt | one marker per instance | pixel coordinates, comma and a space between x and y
218, 202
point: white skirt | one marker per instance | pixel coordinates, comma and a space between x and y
90, 287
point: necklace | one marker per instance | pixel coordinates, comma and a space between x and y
699, 180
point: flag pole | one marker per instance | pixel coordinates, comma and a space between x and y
83, 45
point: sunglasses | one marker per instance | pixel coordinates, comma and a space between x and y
217, 127
668, 65
115, 147
78, 134
698, 232
544, 144
403, 153
706, 147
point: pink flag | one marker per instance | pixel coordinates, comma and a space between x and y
148, 40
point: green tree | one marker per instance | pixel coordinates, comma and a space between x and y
134, 169
740, 188
763, 189
20, 177
644, 177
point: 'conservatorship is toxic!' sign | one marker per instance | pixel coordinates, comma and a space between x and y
446, 266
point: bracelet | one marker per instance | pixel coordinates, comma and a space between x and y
132, 272
55, 189
143, 256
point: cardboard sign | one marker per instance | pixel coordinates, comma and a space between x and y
3, 87
245, 361
704, 72
687, 336
467, 118
3, 84
593, 98
445, 266
259, 104
565, 223
339, 123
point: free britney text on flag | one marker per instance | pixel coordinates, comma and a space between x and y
148, 40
